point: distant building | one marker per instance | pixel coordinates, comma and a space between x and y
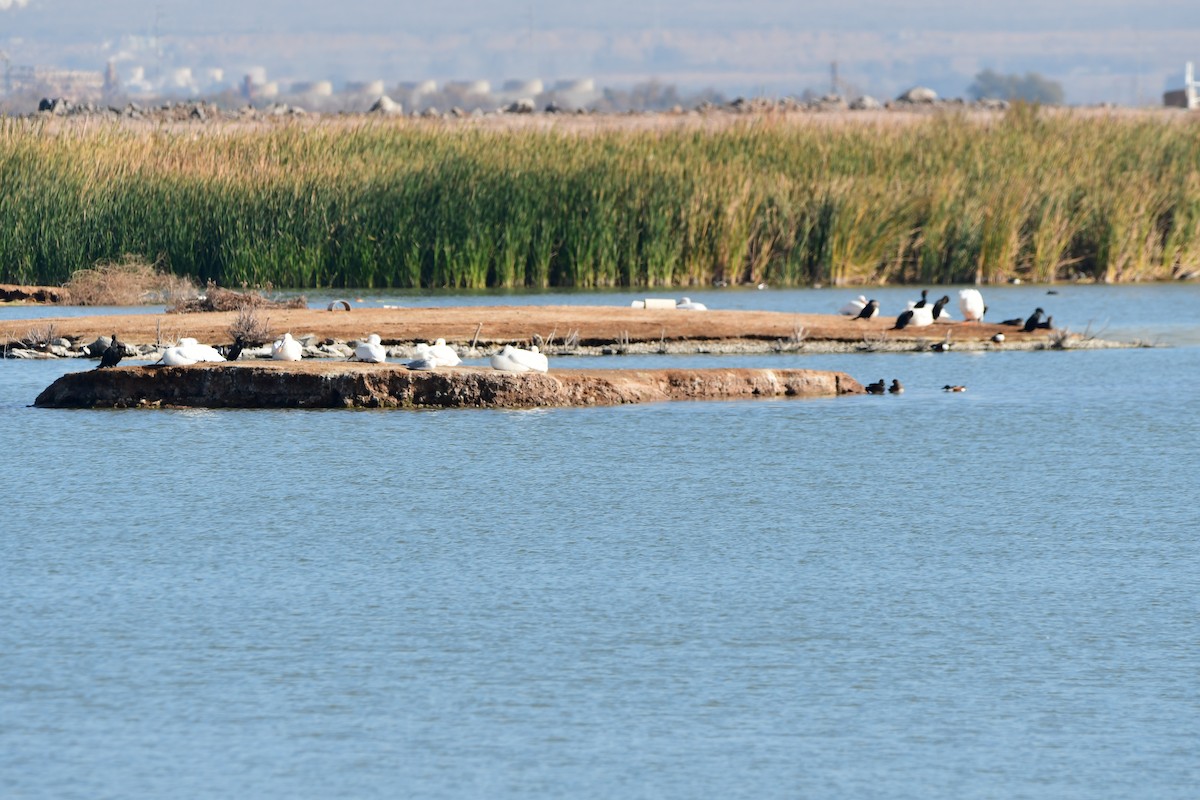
79, 85
1187, 97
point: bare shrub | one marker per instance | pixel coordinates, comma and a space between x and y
129, 282
40, 337
216, 298
250, 328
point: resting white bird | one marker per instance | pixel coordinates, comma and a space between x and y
503, 360
687, 304
189, 351
532, 358
970, 303
854, 307
445, 354
371, 350
425, 359
286, 349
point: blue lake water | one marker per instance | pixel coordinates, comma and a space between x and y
987, 594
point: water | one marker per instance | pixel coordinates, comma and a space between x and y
985, 594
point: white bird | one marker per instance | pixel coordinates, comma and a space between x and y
853, 308
371, 350
503, 360
286, 349
189, 351
970, 303
687, 304
446, 355
531, 358
425, 358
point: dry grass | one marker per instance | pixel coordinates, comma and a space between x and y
250, 328
129, 282
217, 299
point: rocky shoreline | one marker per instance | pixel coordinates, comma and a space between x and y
355, 385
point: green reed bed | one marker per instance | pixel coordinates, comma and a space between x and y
409, 204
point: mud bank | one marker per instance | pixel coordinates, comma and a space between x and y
316, 384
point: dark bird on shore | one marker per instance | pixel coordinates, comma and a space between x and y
112, 354
1016, 322
904, 318
877, 388
949, 388
924, 298
942, 346
896, 388
1047, 323
940, 306
870, 310
1034, 320
234, 350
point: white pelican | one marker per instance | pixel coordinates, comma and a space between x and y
687, 304
505, 361
854, 307
371, 350
445, 354
531, 358
970, 303
286, 349
425, 358
189, 351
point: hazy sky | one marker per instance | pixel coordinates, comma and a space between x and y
1099, 50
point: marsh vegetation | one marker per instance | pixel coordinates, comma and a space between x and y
403, 203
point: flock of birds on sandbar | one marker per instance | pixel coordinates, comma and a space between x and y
918, 313
188, 351
921, 313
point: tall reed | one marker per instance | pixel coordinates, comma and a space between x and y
946, 198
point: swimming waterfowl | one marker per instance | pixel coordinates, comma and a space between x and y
877, 388
970, 303
112, 354
371, 351
287, 349
949, 388
896, 388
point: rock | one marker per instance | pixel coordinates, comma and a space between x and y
96, 348
919, 94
